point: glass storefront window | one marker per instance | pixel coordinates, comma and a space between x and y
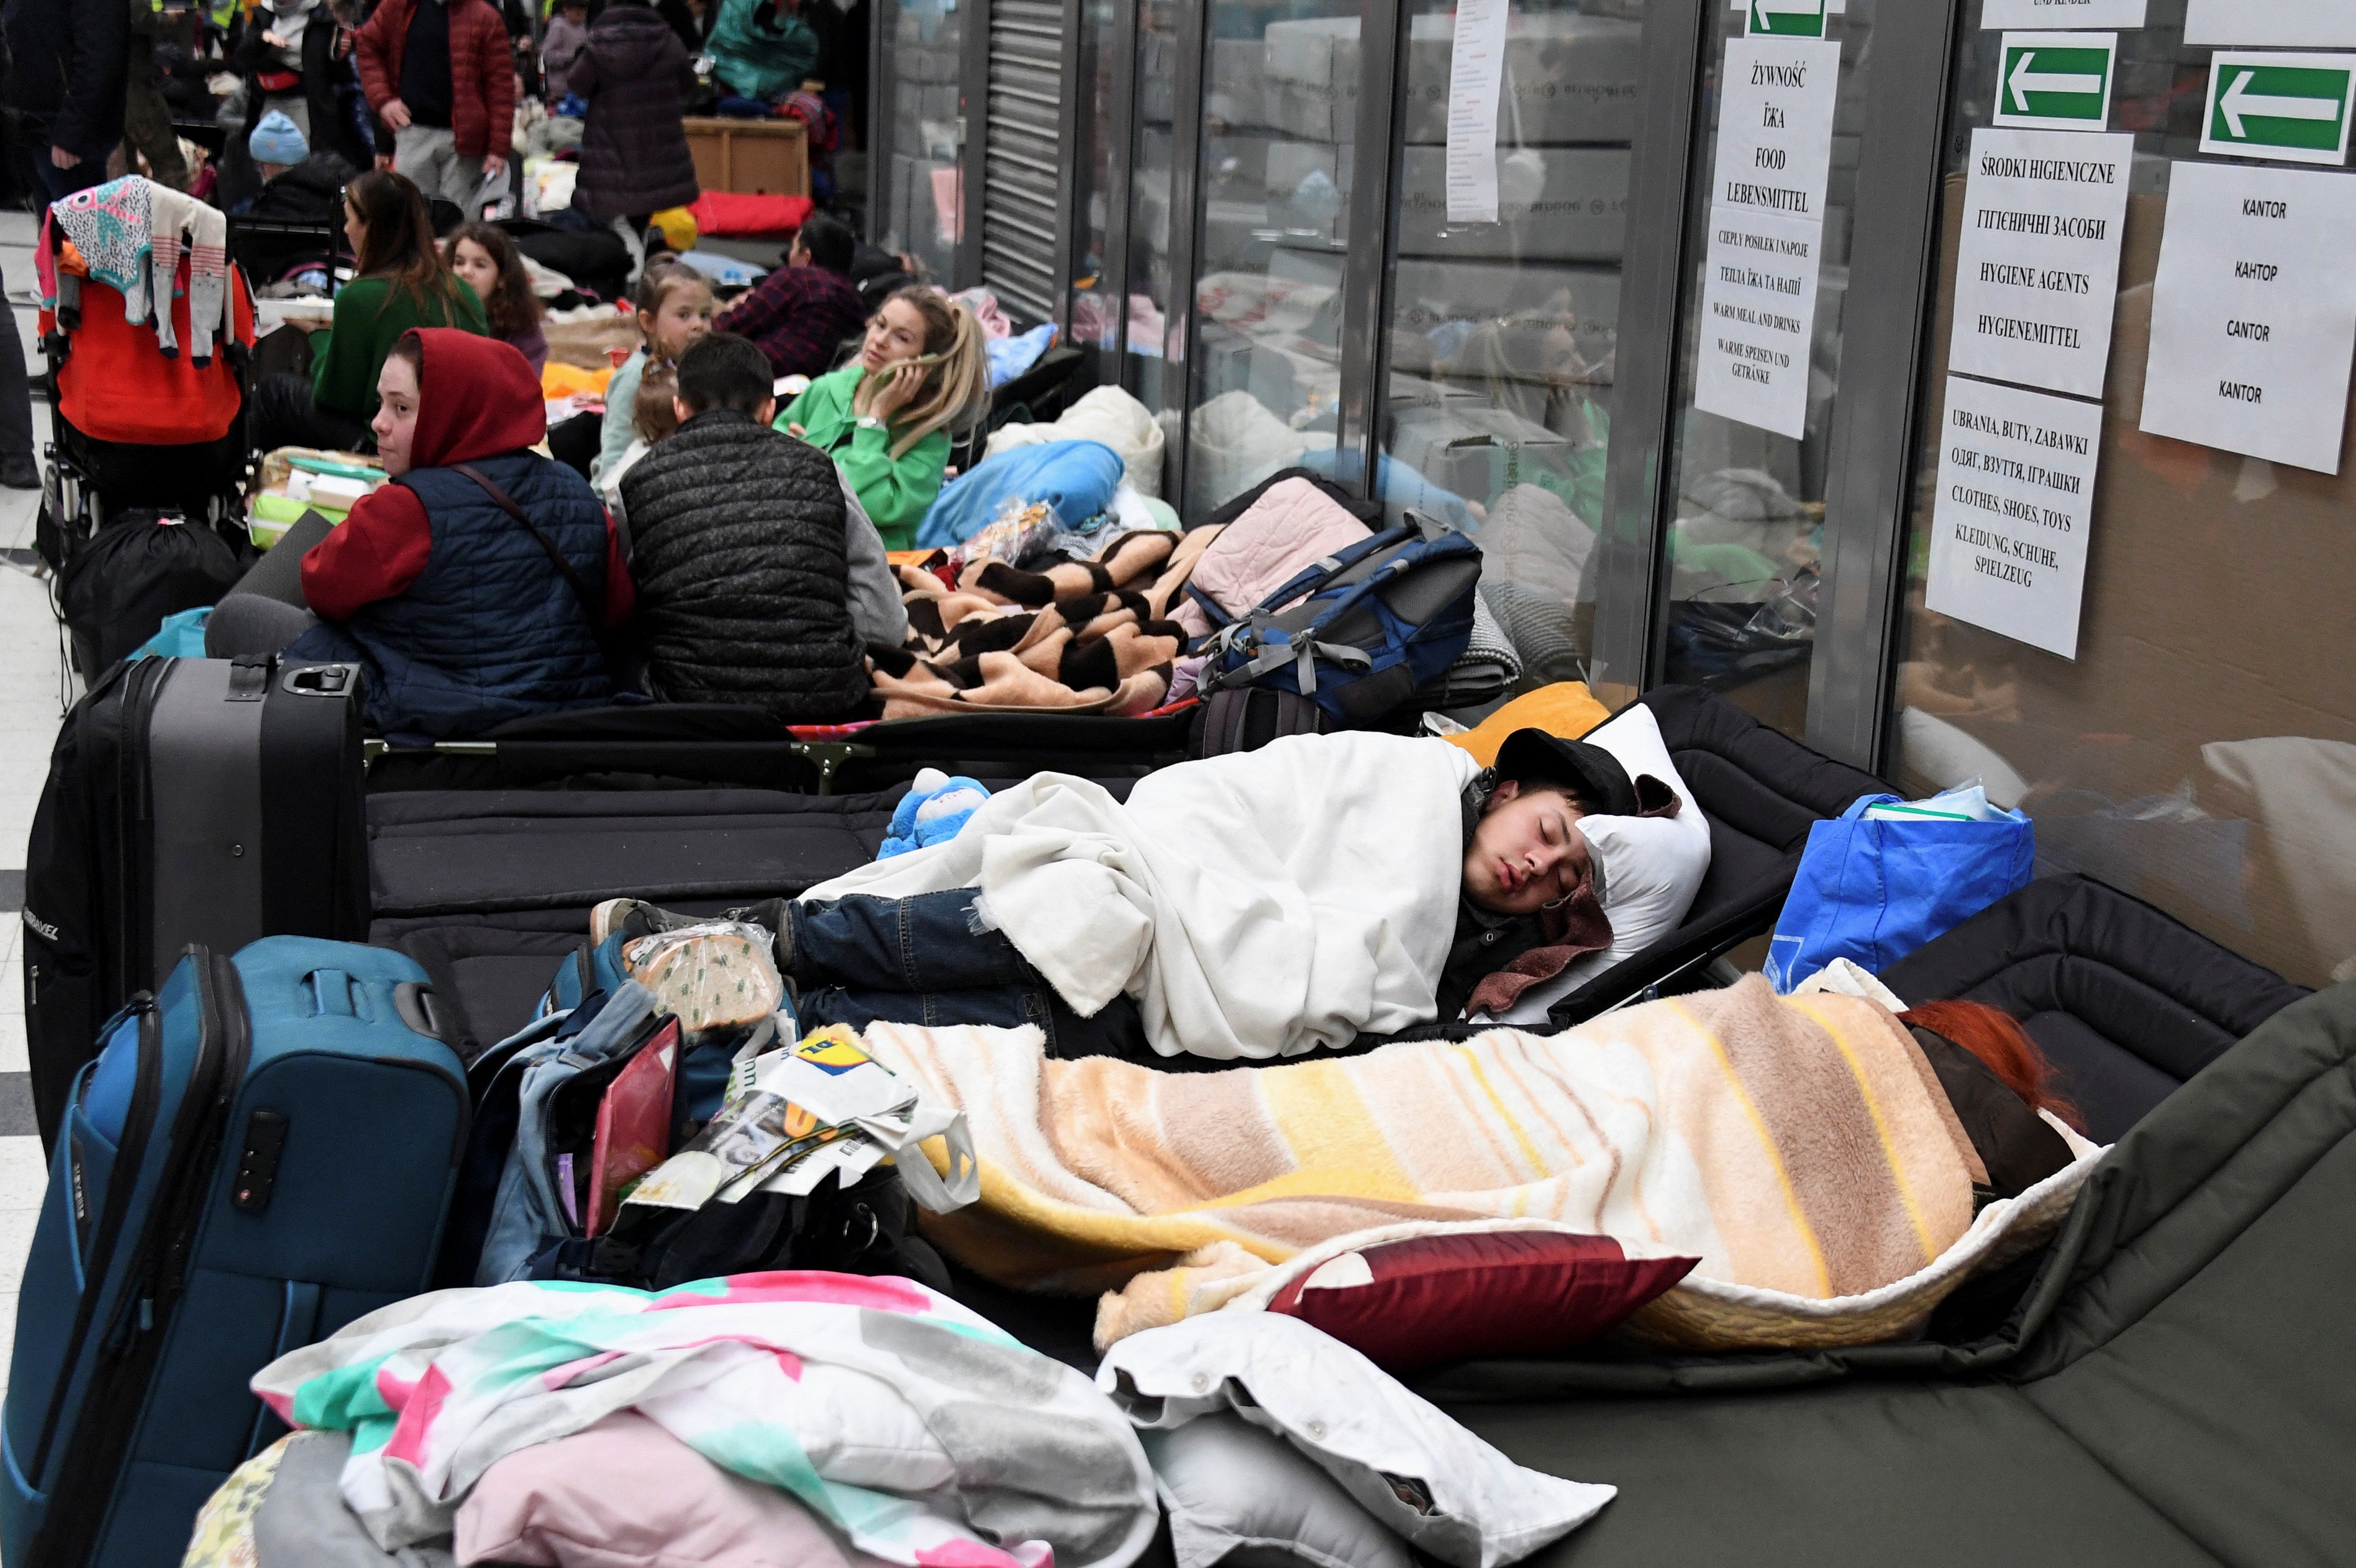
1279, 113
2199, 750
927, 203
1745, 550
1148, 372
1094, 304
1502, 335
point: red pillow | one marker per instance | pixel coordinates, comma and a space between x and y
1413, 1303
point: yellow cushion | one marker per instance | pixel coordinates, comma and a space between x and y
1564, 709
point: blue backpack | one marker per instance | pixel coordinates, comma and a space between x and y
1380, 621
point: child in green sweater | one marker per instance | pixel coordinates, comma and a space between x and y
403, 283
885, 417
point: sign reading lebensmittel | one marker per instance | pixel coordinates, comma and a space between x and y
2038, 271
2253, 313
2016, 499
1766, 227
2062, 14
2056, 81
2281, 24
2289, 107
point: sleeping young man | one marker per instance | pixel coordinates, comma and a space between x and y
1253, 906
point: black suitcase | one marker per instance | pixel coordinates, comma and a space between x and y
209, 801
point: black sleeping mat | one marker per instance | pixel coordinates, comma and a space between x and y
489, 889
2128, 1003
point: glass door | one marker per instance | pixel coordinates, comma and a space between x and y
2125, 606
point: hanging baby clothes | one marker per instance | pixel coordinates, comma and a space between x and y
169, 215
111, 226
208, 305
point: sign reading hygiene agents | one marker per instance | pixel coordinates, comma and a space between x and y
2289, 107
2062, 14
2036, 274
2056, 81
2016, 499
2286, 24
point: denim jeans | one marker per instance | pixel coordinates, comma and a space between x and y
923, 960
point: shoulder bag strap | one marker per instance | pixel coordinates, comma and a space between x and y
592, 604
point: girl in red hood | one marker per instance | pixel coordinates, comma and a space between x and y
473, 587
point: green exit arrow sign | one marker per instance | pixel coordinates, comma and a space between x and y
1787, 18
2056, 81
2289, 107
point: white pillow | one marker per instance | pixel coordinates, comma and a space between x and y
1245, 1498
1651, 866
1404, 1460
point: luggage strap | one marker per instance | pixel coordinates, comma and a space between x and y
592, 604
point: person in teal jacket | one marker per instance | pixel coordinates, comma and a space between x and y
886, 417
761, 49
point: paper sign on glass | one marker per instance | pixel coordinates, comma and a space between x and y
2056, 81
1766, 227
2036, 274
2253, 313
2016, 499
2289, 107
2284, 24
1790, 18
1476, 75
2062, 14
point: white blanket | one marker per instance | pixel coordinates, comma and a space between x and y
1257, 905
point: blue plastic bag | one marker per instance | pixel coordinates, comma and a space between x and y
182, 636
1873, 892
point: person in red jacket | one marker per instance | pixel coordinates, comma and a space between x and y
472, 588
440, 76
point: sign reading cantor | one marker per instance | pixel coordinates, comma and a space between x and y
2253, 313
2036, 274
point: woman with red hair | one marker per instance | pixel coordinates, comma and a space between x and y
1998, 1081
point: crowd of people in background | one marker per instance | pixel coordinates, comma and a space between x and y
403, 124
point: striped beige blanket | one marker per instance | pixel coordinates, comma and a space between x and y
1800, 1147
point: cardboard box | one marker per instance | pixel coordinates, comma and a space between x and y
757, 158
1567, 79
1235, 91
1312, 68
1554, 204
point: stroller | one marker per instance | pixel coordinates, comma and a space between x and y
137, 433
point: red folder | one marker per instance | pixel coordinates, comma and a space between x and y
633, 1126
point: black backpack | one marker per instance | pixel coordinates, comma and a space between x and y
144, 565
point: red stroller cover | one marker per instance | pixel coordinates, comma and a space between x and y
116, 385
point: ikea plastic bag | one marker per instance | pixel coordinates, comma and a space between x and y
1873, 891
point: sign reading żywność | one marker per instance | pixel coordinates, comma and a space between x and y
2038, 269
2253, 313
2016, 499
1766, 227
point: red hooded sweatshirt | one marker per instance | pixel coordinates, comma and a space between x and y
477, 397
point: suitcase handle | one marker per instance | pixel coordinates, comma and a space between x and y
415, 1003
318, 679
331, 992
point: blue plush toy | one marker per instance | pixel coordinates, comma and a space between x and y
932, 812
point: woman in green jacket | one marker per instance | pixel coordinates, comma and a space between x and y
886, 417
404, 282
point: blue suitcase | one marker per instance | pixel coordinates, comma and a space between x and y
261, 1153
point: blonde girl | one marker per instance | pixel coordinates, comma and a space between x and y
674, 307
886, 417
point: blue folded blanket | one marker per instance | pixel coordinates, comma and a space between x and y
1076, 477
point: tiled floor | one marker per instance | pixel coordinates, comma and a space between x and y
28, 726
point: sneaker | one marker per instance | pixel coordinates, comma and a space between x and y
771, 915
20, 473
634, 918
